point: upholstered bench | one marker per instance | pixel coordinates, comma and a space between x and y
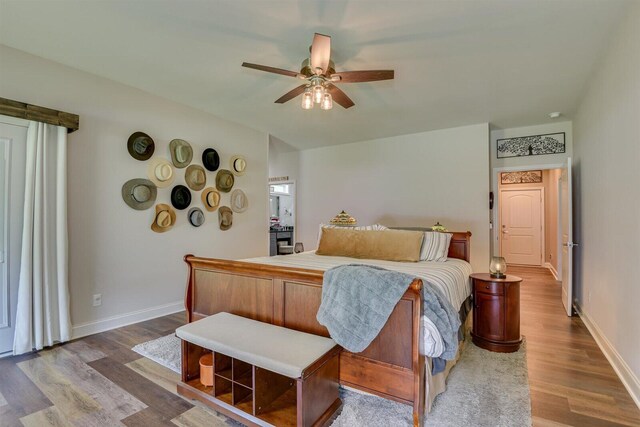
263, 374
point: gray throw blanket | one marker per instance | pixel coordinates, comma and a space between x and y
358, 299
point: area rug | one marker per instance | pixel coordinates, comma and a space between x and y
484, 389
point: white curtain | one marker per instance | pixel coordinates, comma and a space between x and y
42, 317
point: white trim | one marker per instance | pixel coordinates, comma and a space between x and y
626, 375
113, 322
15, 121
4, 281
552, 269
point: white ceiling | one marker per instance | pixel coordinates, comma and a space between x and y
509, 63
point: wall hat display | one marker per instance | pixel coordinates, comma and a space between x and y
210, 199
239, 201
225, 218
238, 165
140, 194
211, 159
160, 172
196, 217
224, 180
164, 219
195, 177
180, 197
140, 146
181, 153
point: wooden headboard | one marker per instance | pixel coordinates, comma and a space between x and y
460, 246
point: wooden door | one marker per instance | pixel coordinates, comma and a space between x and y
521, 226
566, 231
488, 321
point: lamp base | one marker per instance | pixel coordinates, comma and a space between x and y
497, 275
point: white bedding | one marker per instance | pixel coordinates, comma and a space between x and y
450, 277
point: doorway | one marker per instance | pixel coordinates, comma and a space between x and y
282, 218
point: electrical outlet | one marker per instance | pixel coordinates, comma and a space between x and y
97, 300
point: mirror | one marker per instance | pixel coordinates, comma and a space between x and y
282, 203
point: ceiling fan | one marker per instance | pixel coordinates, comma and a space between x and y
320, 75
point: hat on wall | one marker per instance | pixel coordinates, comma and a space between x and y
140, 146
225, 218
239, 201
224, 180
160, 172
139, 193
181, 153
210, 199
211, 159
238, 165
164, 219
180, 197
196, 217
195, 177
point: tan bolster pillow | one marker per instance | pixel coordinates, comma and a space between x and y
390, 245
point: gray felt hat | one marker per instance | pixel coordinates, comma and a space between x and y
196, 217
139, 193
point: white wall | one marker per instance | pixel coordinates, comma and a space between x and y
409, 180
525, 162
607, 201
112, 249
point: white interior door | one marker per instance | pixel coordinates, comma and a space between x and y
13, 140
566, 233
521, 226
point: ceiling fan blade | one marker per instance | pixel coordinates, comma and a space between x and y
320, 53
339, 96
270, 69
291, 94
362, 76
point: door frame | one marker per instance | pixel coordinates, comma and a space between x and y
543, 248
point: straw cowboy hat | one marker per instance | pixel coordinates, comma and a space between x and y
210, 199
140, 146
160, 172
139, 193
211, 159
180, 197
224, 180
181, 153
238, 165
195, 177
239, 201
225, 218
196, 217
165, 218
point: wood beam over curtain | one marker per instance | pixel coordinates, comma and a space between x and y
36, 113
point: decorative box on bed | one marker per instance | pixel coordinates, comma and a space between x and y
391, 367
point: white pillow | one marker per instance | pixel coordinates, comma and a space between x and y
376, 227
435, 246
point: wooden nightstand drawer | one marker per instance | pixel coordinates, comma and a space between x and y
488, 287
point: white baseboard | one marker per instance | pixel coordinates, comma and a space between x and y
626, 375
90, 328
552, 269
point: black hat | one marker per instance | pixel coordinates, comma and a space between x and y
211, 159
180, 197
140, 146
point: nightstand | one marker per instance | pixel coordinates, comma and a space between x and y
496, 312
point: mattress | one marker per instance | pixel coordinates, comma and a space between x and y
450, 277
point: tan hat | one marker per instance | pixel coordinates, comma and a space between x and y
195, 177
160, 172
224, 180
164, 219
225, 218
238, 165
181, 153
239, 201
210, 199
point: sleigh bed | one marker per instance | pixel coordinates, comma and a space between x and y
393, 366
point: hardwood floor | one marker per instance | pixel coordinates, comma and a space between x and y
99, 381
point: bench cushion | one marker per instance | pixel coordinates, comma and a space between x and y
277, 349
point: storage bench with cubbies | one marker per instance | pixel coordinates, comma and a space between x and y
262, 374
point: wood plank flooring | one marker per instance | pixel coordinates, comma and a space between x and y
99, 381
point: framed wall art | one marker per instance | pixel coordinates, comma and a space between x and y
524, 177
535, 145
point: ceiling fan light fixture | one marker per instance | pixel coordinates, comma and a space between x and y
327, 102
318, 93
307, 99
